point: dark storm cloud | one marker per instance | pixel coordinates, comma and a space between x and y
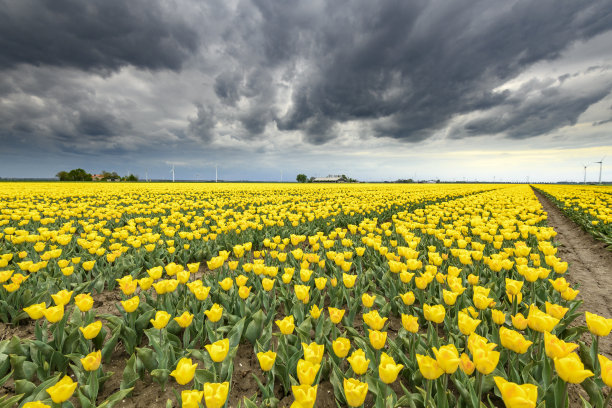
203, 124
98, 35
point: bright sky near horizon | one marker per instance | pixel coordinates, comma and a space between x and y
425, 89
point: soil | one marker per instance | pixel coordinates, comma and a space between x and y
590, 264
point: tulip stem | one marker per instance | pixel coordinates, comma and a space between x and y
428, 395
479, 379
607, 401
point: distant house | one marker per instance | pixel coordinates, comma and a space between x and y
328, 179
97, 177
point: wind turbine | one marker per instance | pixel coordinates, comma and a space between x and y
600, 164
216, 174
172, 173
585, 167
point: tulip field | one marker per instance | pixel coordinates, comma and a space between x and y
384, 295
588, 206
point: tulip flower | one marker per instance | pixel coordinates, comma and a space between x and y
36, 311
315, 312
307, 371
313, 352
556, 311
131, 304
226, 284
514, 340
447, 358
407, 298
335, 315
88, 265
368, 300
191, 398
201, 293
35, 404
466, 324
513, 287
341, 346
519, 321
434, 313
498, 316
377, 339
569, 294
54, 314
485, 359
91, 330
215, 394
184, 320
267, 284
466, 365
358, 362
244, 292
348, 280
570, 369
266, 359
62, 297
410, 323
286, 325
374, 320
305, 395
355, 392
241, 280
557, 348
62, 390
302, 292
184, 371
598, 325
92, 361
218, 350
214, 313
84, 302
517, 396
540, 321
606, 370
429, 368
161, 319
388, 369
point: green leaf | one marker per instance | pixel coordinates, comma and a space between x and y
130, 376
115, 398
236, 333
8, 402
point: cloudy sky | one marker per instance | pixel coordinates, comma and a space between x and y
377, 90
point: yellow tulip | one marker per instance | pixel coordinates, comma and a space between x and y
429, 368
226, 284
313, 352
598, 325
485, 359
498, 316
519, 322
482, 301
131, 304
348, 280
267, 284
387, 369
36, 311
62, 390
410, 323
449, 297
374, 320
407, 298
513, 287
556, 311
570, 369
307, 371
35, 404
5, 276
218, 350
62, 297
214, 313
513, 340
302, 292
466, 324
377, 339
184, 320
54, 314
68, 270
569, 294
517, 396
215, 394
335, 315
539, 321
606, 369
368, 300
557, 348
244, 292
447, 358
358, 362
91, 330
355, 392
201, 293
191, 398
184, 371
341, 346
315, 312
161, 319
92, 361
434, 313
466, 365
266, 359
89, 265
305, 395
241, 280
286, 325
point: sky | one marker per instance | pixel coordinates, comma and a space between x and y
488, 90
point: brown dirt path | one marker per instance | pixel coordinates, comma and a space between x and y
590, 269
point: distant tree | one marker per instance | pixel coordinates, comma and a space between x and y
62, 175
131, 177
301, 178
79, 175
